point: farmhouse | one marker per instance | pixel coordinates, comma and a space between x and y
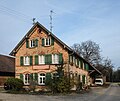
40, 52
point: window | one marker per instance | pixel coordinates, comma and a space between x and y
32, 43
79, 64
27, 79
26, 60
47, 41
71, 59
41, 79
55, 58
41, 59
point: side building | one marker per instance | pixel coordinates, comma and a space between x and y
39, 54
7, 68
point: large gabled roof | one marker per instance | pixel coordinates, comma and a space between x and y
7, 64
49, 33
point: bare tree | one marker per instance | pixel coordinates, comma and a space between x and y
89, 50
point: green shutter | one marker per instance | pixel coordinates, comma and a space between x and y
48, 78
77, 62
31, 76
43, 42
36, 59
87, 67
21, 76
52, 41
36, 42
81, 64
36, 77
27, 43
21, 61
48, 59
31, 60
60, 58
83, 79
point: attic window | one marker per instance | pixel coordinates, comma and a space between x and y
32, 43
47, 41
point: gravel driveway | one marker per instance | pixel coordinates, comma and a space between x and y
71, 97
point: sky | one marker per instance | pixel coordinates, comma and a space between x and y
74, 21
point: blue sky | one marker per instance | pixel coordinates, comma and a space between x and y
74, 21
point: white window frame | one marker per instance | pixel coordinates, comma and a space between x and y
26, 81
32, 43
41, 77
48, 41
55, 59
41, 59
26, 60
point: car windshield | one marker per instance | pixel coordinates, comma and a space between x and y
98, 81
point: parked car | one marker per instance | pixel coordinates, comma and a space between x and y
99, 81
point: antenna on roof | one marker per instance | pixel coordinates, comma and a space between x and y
51, 18
33, 20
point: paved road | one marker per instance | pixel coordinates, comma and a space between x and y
97, 94
111, 94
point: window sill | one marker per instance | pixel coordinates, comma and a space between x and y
32, 47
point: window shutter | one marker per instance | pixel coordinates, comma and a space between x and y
31, 60
36, 59
77, 62
36, 42
21, 76
43, 42
31, 76
48, 78
52, 41
87, 67
60, 58
36, 77
21, 61
48, 59
83, 79
81, 64
27, 43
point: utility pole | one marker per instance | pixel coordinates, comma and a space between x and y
51, 18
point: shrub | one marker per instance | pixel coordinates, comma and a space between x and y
13, 84
60, 85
